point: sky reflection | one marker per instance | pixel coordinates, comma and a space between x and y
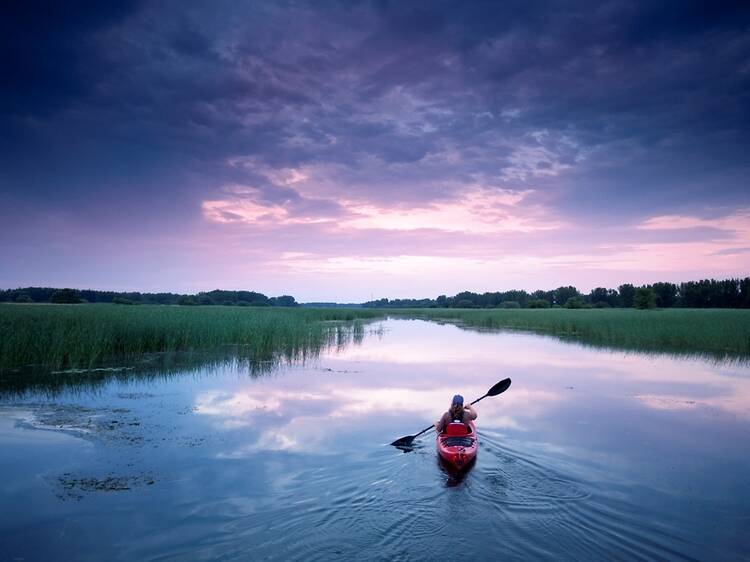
401, 378
592, 453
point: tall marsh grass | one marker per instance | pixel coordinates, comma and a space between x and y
716, 332
84, 336
45, 339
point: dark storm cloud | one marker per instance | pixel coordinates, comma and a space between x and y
402, 102
49, 54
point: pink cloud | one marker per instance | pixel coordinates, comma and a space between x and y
302, 231
320, 194
326, 235
738, 222
481, 210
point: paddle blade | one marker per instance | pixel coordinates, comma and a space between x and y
404, 441
499, 388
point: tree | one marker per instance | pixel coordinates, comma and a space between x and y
562, 294
730, 293
23, 297
574, 302
539, 303
65, 296
600, 294
666, 294
644, 298
744, 292
548, 296
380, 303
283, 300
489, 300
185, 300
613, 297
466, 299
519, 296
627, 294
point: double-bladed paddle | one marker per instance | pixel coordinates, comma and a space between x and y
499, 388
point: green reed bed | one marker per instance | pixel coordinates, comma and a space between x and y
56, 337
83, 336
715, 332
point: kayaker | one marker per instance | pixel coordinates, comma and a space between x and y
457, 412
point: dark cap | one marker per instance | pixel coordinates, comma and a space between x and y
458, 400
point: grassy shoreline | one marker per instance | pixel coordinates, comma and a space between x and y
720, 333
85, 336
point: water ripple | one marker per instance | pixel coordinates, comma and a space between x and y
397, 507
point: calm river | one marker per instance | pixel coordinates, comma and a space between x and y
591, 454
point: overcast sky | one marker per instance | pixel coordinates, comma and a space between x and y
347, 151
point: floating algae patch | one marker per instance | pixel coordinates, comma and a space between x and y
97, 370
107, 426
135, 395
99, 425
128, 444
71, 486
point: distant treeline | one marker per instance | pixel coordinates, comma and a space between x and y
331, 305
74, 296
707, 293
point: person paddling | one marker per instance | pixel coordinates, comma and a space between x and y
457, 412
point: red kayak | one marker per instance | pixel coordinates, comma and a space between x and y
458, 444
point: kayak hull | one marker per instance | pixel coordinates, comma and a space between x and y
456, 446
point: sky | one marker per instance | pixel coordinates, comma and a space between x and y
344, 151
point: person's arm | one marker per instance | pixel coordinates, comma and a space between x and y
472, 414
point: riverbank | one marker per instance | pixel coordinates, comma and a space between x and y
89, 335
54, 337
720, 333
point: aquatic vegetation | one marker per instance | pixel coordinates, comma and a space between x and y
85, 336
48, 347
722, 333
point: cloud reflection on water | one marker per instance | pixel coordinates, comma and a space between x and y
405, 378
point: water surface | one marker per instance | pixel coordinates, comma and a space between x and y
590, 454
